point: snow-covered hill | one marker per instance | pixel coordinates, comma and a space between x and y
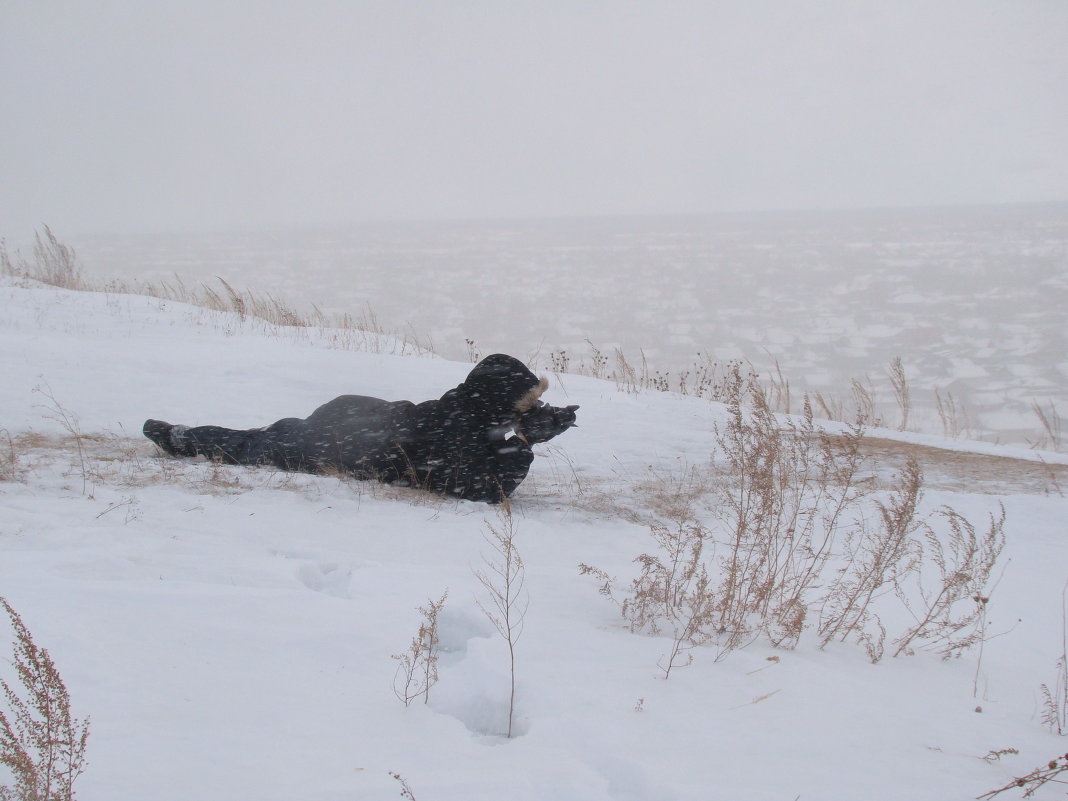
230, 630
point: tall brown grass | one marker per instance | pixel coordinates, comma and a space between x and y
1051, 426
948, 609
783, 540
53, 262
875, 557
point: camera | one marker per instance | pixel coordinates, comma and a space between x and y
543, 422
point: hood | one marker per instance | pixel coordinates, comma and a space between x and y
503, 386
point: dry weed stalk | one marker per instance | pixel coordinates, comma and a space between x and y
864, 401
41, 742
900, 384
992, 756
964, 563
474, 355
1050, 421
830, 408
671, 494
559, 361
406, 789
598, 362
626, 377
53, 262
863, 404
954, 417
693, 622
875, 558
9, 458
1055, 698
1054, 483
779, 389
672, 589
418, 668
565, 475
504, 579
787, 494
1034, 780
781, 506
69, 421
7, 267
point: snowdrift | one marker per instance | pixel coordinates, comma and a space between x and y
231, 631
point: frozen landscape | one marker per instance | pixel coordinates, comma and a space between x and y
971, 299
802, 266
231, 631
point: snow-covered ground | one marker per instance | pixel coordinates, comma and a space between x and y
230, 630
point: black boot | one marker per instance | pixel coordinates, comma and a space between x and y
164, 435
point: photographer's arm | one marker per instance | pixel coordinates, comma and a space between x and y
542, 423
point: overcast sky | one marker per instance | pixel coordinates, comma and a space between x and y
131, 116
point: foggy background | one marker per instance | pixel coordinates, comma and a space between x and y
123, 117
560, 176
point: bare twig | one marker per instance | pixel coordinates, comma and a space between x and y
503, 579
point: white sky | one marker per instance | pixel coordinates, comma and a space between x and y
128, 116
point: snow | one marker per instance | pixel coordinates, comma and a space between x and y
229, 630
970, 298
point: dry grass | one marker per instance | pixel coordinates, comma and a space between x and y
406, 789
55, 411
950, 615
900, 384
10, 467
55, 264
960, 471
875, 557
956, 421
417, 669
673, 588
92, 460
779, 506
1051, 426
783, 536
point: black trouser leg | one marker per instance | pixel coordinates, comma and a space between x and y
279, 444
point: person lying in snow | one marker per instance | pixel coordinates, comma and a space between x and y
474, 442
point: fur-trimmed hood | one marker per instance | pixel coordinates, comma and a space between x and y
531, 396
503, 386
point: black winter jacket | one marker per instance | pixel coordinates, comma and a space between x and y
474, 442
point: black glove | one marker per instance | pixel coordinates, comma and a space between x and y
543, 422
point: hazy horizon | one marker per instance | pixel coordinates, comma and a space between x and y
206, 116
22, 241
